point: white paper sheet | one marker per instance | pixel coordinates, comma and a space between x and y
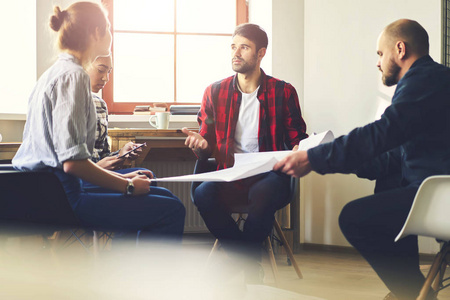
315, 140
250, 164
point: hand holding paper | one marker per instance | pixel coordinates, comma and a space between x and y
250, 164
297, 163
315, 140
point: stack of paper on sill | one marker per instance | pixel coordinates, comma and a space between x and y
250, 164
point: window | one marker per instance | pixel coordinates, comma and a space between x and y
446, 32
168, 51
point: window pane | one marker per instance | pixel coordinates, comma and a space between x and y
144, 15
206, 16
143, 67
201, 60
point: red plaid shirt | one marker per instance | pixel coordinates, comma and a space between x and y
281, 125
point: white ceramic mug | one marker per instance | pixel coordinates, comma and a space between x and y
162, 120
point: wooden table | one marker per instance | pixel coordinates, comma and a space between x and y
162, 144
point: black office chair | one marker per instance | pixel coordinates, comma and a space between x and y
35, 203
208, 165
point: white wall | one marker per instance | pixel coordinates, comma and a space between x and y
260, 12
18, 55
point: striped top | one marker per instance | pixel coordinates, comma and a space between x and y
101, 146
61, 118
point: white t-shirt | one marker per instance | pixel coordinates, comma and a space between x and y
246, 136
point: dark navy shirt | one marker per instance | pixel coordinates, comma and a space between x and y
412, 136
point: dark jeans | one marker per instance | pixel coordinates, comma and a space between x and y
371, 224
260, 196
156, 215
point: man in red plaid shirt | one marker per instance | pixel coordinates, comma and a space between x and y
247, 112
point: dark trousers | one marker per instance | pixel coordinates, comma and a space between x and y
371, 224
259, 196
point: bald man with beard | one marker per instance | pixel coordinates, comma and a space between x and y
409, 142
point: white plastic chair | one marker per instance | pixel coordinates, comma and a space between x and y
429, 216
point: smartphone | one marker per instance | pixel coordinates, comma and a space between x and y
137, 147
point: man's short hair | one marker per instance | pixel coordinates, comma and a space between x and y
410, 32
254, 33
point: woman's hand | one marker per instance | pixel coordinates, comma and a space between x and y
141, 173
110, 163
141, 185
128, 147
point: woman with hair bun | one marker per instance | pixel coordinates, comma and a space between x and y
59, 136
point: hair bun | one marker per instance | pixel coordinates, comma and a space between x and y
58, 18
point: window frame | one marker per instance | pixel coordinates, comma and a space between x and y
446, 32
128, 107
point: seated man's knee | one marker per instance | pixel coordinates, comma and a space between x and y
351, 219
271, 191
206, 195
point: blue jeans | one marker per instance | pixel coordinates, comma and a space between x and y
260, 196
159, 214
92, 188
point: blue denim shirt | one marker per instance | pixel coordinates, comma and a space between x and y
415, 127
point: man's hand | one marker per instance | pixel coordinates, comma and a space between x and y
194, 140
295, 164
110, 163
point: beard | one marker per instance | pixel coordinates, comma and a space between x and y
390, 77
245, 66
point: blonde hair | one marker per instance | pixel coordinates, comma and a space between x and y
77, 23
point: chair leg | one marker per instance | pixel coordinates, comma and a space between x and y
95, 242
434, 270
273, 263
287, 248
214, 248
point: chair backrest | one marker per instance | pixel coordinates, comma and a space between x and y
202, 166
34, 200
429, 214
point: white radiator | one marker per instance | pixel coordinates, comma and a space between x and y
182, 190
